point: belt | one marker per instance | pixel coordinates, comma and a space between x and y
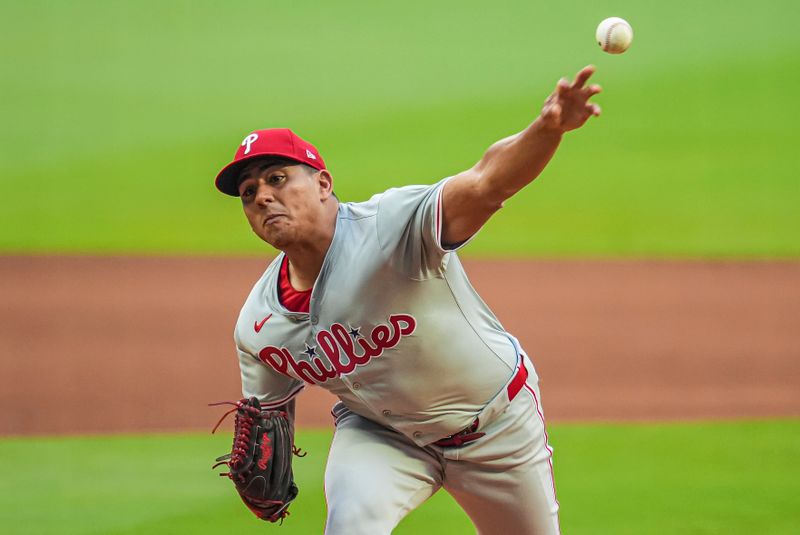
468, 434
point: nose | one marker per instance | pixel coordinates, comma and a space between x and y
264, 194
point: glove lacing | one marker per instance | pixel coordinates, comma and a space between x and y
241, 436
243, 423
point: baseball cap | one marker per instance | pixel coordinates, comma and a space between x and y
281, 142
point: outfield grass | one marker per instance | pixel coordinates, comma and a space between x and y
688, 478
120, 113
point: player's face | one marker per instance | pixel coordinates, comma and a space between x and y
283, 201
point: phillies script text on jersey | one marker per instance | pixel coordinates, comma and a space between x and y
333, 343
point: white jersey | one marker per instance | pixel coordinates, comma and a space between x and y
394, 328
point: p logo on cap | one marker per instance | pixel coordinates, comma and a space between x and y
249, 140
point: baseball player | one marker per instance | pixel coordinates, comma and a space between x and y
370, 301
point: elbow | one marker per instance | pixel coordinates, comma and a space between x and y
485, 192
493, 190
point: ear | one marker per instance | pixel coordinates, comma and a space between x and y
325, 184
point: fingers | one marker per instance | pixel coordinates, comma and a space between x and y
582, 76
562, 86
593, 109
592, 90
568, 107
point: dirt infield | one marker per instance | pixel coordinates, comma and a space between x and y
130, 344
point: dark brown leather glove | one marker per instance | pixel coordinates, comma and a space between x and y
260, 461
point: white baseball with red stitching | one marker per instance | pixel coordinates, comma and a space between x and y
614, 35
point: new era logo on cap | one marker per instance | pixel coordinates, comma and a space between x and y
280, 142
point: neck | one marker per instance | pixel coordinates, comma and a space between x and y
306, 258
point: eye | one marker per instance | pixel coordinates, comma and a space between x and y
248, 192
276, 179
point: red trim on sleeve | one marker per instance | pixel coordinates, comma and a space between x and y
292, 299
439, 217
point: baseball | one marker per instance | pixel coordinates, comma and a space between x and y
614, 35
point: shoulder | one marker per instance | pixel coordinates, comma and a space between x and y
398, 204
360, 210
392, 197
356, 210
414, 191
404, 198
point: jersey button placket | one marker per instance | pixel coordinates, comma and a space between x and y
386, 412
356, 386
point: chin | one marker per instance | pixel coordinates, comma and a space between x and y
277, 239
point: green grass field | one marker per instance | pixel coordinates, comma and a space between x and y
120, 113
689, 478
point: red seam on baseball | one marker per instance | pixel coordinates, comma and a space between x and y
608, 33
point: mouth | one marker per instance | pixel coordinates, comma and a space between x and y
270, 219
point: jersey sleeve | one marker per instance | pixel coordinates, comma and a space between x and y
271, 388
409, 226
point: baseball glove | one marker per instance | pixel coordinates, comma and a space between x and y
260, 461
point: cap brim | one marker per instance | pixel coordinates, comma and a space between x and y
227, 179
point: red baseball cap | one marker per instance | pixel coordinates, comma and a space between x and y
280, 142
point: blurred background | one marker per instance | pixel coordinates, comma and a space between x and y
652, 271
